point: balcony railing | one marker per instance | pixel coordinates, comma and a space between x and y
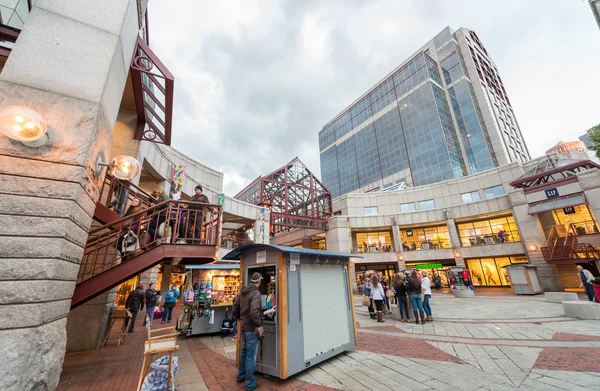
588, 227
427, 245
118, 194
570, 252
484, 240
170, 222
373, 248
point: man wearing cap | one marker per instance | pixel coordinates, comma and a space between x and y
246, 310
195, 219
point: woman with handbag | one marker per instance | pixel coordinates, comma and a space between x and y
400, 288
378, 297
426, 285
414, 291
367, 291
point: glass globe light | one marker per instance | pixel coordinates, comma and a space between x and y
23, 124
124, 167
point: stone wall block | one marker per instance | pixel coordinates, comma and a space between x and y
589, 179
33, 314
36, 269
62, 55
45, 207
13, 225
20, 247
33, 357
32, 291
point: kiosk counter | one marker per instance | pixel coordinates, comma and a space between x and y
308, 305
215, 287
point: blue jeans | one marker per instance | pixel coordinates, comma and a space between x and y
386, 301
426, 305
403, 306
150, 313
169, 311
417, 303
589, 291
248, 359
234, 332
133, 318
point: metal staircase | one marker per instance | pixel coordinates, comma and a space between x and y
183, 231
560, 249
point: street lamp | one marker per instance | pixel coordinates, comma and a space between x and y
23, 124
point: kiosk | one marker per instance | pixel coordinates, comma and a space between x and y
460, 282
524, 279
211, 300
310, 292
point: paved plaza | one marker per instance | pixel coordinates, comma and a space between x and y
496, 342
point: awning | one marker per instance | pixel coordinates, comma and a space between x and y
556, 203
235, 254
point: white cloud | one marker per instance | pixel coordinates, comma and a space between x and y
256, 80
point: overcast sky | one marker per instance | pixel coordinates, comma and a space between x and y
256, 80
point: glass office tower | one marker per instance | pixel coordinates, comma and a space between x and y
441, 114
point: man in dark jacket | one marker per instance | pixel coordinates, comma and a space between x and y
246, 309
196, 214
151, 300
134, 303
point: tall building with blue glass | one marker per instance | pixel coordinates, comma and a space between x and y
442, 114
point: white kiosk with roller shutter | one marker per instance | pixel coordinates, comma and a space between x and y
308, 305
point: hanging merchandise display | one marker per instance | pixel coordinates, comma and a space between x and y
212, 288
460, 282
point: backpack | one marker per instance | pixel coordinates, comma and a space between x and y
227, 326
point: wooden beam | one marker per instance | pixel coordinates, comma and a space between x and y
282, 315
238, 325
351, 297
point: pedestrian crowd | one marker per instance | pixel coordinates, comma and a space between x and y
410, 291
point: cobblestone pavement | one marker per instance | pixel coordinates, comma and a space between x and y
499, 342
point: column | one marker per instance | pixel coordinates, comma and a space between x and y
455, 240
590, 183
398, 244
533, 238
69, 64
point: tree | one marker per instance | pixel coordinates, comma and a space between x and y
595, 139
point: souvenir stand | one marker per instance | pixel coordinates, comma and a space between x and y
524, 279
308, 305
209, 301
460, 282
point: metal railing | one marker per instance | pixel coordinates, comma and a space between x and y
433, 245
570, 252
483, 240
588, 227
170, 222
118, 194
232, 243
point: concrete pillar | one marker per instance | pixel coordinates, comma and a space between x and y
337, 236
70, 64
533, 238
590, 183
455, 240
396, 236
165, 282
87, 324
306, 242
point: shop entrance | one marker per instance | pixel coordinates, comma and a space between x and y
433, 268
387, 270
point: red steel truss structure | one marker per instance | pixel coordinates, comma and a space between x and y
295, 197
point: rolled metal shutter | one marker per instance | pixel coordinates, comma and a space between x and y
325, 313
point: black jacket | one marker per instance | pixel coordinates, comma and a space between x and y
135, 300
151, 298
246, 308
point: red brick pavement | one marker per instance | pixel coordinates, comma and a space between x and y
219, 372
569, 359
405, 347
575, 337
391, 329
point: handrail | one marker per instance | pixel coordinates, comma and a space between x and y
585, 225
121, 192
170, 222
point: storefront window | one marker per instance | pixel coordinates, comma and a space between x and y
386, 270
374, 242
577, 219
490, 271
432, 238
319, 245
493, 231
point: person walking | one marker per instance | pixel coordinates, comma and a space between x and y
414, 291
386, 299
378, 297
368, 291
246, 310
151, 300
134, 303
170, 302
586, 282
426, 287
400, 288
438, 282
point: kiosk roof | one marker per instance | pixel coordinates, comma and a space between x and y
235, 254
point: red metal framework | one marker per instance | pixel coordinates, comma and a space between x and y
553, 169
153, 87
296, 198
115, 252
